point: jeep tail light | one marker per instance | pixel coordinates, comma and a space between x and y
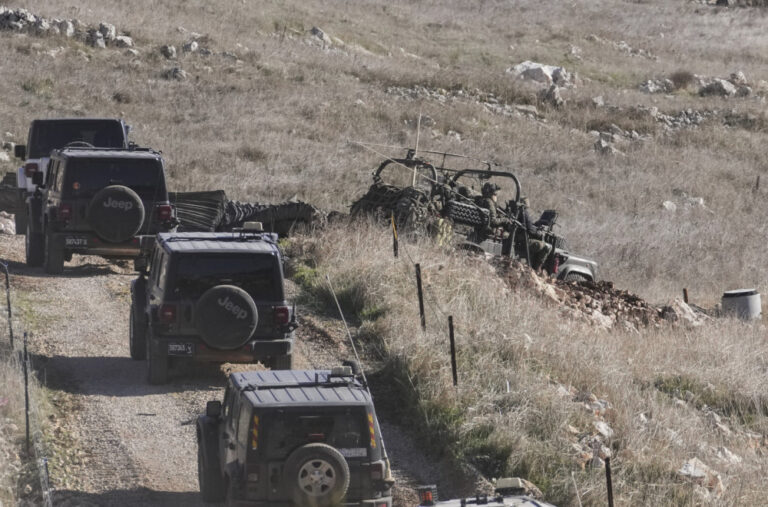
372, 430
65, 212
255, 437
164, 212
282, 315
167, 314
30, 168
377, 470
316, 437
427, 495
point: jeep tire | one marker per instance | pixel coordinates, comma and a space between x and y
34, 247
212, 485
116, 213
20, 219
316, 474
157, 363
137, 335
226, 317
53, 263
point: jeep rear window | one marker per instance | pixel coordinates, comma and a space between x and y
345, 429
85, 177
257, 274
51, 135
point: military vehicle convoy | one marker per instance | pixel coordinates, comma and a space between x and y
302, 438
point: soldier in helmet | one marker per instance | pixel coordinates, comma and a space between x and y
488, 201
537, 247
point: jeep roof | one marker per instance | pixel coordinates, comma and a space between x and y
300, 388
218, 242
127, 153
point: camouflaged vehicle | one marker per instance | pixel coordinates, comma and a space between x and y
507, 492
300, 438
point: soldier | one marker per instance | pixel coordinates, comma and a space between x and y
488, 201
537, 247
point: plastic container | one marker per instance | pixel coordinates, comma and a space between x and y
743, 303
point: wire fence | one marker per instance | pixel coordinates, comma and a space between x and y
34, 442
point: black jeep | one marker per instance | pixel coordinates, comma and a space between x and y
108, 202
215, 297
303, 438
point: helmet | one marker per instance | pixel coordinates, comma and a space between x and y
490, 188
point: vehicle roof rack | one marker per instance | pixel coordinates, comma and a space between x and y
131, 147
225, 236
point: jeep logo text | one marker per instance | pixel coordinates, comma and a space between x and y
123, 205
228, 305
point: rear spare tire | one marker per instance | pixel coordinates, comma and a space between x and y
116, 213
226, 317
316, 475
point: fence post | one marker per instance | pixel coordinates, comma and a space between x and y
421, 298
8, 299
453, 351
394, 237
609, 484
685, 296
26, 389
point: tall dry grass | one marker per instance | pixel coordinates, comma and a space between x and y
661, 383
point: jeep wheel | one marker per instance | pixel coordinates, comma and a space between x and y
212, 487
53, 263
137, 335
317, 475
116, 213
226, 317
34, 245
157, 364
282, 362
575, 277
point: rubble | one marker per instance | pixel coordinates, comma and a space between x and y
622, 47
541, 73
718, 87
658, 86
551, 96
699, 473
168, 51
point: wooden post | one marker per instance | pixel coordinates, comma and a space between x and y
453, 351
25, 361
8, 300
394, 237
609, 484
685, 296
421, 298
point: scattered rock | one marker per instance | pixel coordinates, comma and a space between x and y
551, 96
598, 101
108, 31
658, 86
699, 473
66, 28
190, 47
603, 428
175, 73
603, 147
718, 87
4, 157
168, 51
321, 35
96, 39
541, 73
123, 41
132, 52
738, 78
669, 206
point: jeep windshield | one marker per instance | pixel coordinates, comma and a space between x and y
52, 134
345, 429
257, 274
85, 177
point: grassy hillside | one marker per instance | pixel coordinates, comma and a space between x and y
271, 113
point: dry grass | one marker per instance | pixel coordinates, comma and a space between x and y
505, 336
278, 125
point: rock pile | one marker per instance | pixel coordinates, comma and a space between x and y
599, 303
736, 85
102, 36
622, 47
546, 75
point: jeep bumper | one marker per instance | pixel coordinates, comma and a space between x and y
379, 502
194, 349
90, 244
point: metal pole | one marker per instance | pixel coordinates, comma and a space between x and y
453, 351
685, 296
608, 481
26, 389
421, 298
8, 299
394, 237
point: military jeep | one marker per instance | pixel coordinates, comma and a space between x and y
212, 297
301, 438
97, 201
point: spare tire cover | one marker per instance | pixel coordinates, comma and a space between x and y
116, 213
226, 317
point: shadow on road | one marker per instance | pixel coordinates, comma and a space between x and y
79, 271
127, 497
122, 376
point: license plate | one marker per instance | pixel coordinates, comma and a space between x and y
76, 242
355, 452
181, 349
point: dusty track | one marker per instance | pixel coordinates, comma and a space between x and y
137, 441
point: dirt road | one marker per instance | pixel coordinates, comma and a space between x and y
136, 441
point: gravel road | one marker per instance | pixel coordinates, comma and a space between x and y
137, 441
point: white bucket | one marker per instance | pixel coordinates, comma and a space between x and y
744, 303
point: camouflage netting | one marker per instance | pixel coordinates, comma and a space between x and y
212, 211
410, 207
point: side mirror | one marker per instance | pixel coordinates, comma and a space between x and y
213, 409
37, 178
20, 151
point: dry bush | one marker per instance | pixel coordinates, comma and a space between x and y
682, 79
